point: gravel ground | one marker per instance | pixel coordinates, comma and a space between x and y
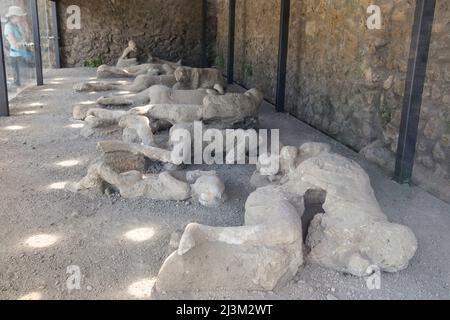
41, 149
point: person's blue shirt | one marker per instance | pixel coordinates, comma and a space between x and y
16, 32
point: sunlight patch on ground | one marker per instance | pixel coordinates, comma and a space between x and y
48, 90
142, 289
68, 163
30, 112
31, 296
141, 234
87, 102
14, 128
58, 185
36, 104
41, 241
76, 126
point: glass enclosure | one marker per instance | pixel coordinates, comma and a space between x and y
47, 35
18, 45
18, 42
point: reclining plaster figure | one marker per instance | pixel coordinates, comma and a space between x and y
128, 65
264, 254
184, 78
230, 108
157, 94
108, 72
141, 83
353, 235
132, 183
223, 111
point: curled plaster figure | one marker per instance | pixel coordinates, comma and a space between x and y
129, 56
128, 178
353, 234
136, 128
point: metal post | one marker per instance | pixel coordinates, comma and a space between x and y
283, 54
417, 67
37, 43
231, 35
204, 33
4, 104
55, 24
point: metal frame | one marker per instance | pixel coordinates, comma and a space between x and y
4, 103
55, 25
37, 43
283, 54
204, 41
231, 37
415, 80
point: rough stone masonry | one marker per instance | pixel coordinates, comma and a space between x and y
169, 29
346, 80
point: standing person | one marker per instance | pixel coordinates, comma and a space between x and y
15, 34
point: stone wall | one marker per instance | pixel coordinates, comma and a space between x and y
169, 29
347, 80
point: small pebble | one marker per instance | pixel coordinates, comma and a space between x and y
75, 214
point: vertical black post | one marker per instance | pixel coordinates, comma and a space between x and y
231, 35
55, 25
283, 54
4, 105
415, 79
204, 33
37, 42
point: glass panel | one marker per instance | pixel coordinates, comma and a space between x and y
47, 38
18, 44
432, 165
